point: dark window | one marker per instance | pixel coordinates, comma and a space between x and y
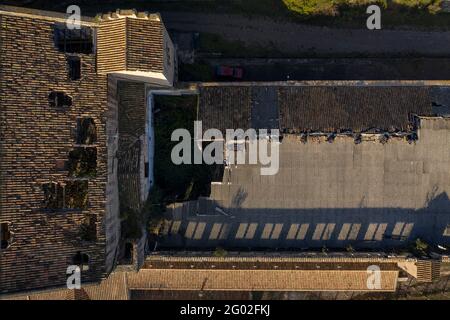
59, 99
75, 40
88, 229
60, 165
76, 194
86, 131
82, 162
68, 195
81, 260
5, 235
128, 254
53, 196
74, 64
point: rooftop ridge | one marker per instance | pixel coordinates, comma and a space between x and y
315, 83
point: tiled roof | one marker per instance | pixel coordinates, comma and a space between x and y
132, 115
265, 273
314, 108
359, 109
202, 276
112, 288
41, 14
128, 43
225, 107
77, 294
35, 137
268, 263
189, 295
258, 280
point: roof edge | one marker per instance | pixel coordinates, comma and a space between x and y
353, 83
42, 15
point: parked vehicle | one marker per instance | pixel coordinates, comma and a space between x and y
230, 72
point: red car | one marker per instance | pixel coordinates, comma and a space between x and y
233, 72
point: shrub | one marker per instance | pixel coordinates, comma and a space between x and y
312, 7
421, 246
220, 252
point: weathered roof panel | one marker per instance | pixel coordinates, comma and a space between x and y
225, 107
314, 108
354, 108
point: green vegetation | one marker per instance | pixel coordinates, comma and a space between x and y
352, 13
174, 183
153, 211
350, 249
76, 195
420, 247
177, 182
313, 7
220, 252
150, 215
132, 221
339, 13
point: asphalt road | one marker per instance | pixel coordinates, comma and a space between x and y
293, 39
334, 69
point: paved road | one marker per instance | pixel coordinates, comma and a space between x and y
291, 38
334, 69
